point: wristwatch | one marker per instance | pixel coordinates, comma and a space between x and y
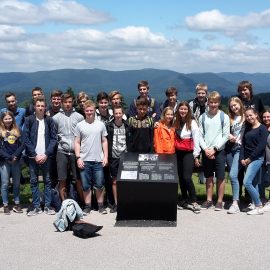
215, 149
77, 158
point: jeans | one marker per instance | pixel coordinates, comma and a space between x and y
34, 171
14, 170
251, 179
234, 165
92, 175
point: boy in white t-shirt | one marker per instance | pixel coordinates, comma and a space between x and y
40, 142
91, 151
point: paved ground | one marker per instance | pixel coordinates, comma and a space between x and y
210, 240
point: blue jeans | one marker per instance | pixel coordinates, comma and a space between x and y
92, 175
251, 179
234, 165
14, 170
34, 170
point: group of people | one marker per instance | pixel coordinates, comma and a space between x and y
84, 145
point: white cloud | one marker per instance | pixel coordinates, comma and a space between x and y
215, 21
11, 33
124, 48
14, 12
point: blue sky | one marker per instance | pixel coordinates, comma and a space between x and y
185, 36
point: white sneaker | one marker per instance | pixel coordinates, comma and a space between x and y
256, 211
266, 207
234, 209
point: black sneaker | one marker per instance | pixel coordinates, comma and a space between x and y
195, 208
34, 212
219, 206
102, 210
86, 210
49, 210
206, 205
6, 210
182, 205
17, 208
113, 209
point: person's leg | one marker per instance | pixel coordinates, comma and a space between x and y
62, 167
250, 180
188, 165
16, 177
113, 168
47, 183
208, 167
180, 168
33, 169
262, 184
220, 160
5, 173
86, 180
76, 178
99, 181
234, 176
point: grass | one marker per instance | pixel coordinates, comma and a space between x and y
26, 195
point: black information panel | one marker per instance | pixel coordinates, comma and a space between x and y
147, 186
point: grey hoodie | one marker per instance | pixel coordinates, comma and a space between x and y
65, 125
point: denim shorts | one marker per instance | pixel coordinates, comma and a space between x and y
92, 175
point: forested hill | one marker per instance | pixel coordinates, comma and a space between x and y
94, 80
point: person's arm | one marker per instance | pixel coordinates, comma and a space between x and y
156, 111
4, 154
196, 138
21, 147
132, 109
29, 146
201, 139
262, 141
225, 133
77, 149
104, 143
53, 138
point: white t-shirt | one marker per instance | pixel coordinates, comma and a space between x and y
40, 148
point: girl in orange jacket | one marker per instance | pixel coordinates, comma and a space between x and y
164, 134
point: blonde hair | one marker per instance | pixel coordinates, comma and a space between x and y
162, 118
215, 96
14, 128
201, 86
242, 109
89, 103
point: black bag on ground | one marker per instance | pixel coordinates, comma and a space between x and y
85, 230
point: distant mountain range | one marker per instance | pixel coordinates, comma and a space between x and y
93, 81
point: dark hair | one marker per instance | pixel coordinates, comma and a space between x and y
56, 93
188, 118
66, 96
37, 88
9, 94
171, 91
102, 95
254, 111
118, 107
143, 83
142, 102
244, 84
